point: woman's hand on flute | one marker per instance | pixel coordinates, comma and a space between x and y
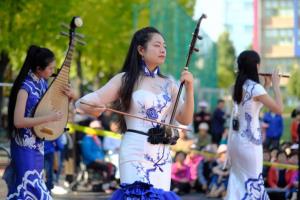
275, 78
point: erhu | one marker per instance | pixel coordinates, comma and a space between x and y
172, 134
54, 99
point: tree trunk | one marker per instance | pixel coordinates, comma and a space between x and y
4, 61
79, 73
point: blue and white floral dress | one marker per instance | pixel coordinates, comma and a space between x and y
245, 149
145, 169
27, 151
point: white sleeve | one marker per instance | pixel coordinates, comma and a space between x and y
106, 94
258, 90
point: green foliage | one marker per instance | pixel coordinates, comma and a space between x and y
30, 22
294, 83
225, 61
108, 26
188, 6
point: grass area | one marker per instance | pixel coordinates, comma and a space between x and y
287, 124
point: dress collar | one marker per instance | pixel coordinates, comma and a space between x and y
149, 73
34, 77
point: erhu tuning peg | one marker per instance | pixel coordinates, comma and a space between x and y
199, 37
195, 49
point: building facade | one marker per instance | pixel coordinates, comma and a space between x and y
277, 34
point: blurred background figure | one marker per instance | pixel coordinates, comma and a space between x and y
202, 115
220, 175
93, 154
203, 138
218, 122
181, 176
184, 143
274, 130
112, 147
295, 126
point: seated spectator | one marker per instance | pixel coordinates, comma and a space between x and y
277, 176
266, 168
181, 177
203, 137
206, 165
286, 147
220, 176
93, 156
292, 176
112, 147
274, 152
183, 143
202, 116
295, 127
193, 160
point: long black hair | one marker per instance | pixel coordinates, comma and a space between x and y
132, 67
247, 69
36, 58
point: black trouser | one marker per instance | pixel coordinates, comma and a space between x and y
182, 187
271, 143
216, 138
106, 167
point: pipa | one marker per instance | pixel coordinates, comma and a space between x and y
54, 100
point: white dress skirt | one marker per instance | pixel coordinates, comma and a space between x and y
245, 149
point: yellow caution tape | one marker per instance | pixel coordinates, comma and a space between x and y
280, 165
92, 131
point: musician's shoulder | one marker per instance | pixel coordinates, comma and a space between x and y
117, 78
119, 75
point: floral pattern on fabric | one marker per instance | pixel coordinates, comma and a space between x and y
255, 189
31, 188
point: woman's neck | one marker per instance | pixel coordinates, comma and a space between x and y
151, 67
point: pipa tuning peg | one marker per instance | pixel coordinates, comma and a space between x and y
79, 35
64, 25
80, 42
64, 33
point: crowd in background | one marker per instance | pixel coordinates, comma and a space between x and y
198, 157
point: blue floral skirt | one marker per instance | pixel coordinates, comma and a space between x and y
25, 179
142, 191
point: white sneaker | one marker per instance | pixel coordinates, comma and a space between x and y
59, 190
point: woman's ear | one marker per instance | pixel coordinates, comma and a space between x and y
140, 50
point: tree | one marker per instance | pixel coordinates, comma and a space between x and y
294, 83
225, 61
